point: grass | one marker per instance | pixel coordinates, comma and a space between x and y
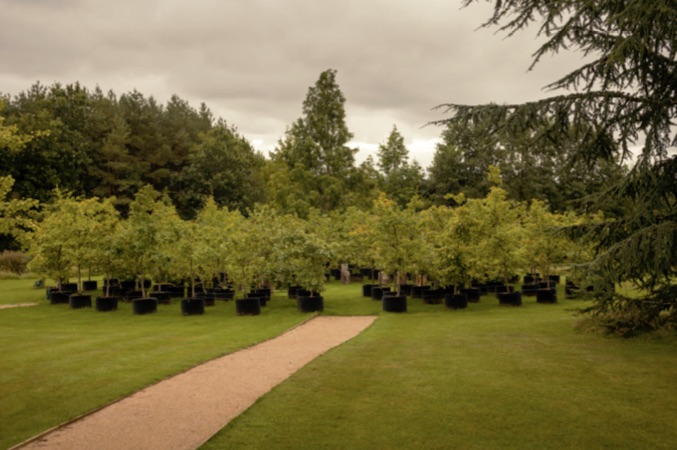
485, 377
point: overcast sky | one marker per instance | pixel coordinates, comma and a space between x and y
252, 61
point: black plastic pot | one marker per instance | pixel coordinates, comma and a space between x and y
133, 295
90, 285
128, 285
394, 303
59, 297
69, 287
510, 299
456, 301
366, 289
546, 296
192, 306
473, 294
248, 307
530, 289
310, 304
106, 303
417, 291
292, 291
261, 298
163, 298
377, 292
432, 296
144, 305
77, 301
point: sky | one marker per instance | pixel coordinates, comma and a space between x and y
252, 61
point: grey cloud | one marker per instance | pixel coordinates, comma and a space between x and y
252, 61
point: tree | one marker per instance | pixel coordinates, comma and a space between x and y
400, 179
224, 166
624, 95
315, 148
395, 236
146, 235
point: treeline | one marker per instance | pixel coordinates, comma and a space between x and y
91, 143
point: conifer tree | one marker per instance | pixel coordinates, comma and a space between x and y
624, 95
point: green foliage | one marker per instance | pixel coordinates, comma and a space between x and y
13, 262
223, 166
623, 96
395, 237
400, 179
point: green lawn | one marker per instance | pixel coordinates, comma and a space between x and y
485, 377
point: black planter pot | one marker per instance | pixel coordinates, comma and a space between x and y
248, 307
546, 296
530, 289
192, 306
106, 303
366, 290
69, 287
209, 299
500, 288
310, 304
406, 289
417, 291
144, 305
456, 301
163, 298
377, 292
59, 297
262, 299
90, 285
510, 299
473, 294
432, 296
223, 294
133, 295
176, 291
292, 291
394, 303
77, 301
554, 279
48, 292
128, 285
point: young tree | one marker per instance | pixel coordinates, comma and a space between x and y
396, 239
623, 95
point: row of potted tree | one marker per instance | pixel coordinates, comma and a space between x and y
491, 237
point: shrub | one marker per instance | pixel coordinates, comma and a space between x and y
13, 261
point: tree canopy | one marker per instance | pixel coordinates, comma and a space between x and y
620, 103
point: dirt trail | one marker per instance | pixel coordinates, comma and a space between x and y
184, 411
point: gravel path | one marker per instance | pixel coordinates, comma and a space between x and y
184, 411
18, 305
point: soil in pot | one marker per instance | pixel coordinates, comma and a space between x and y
546, 296
394, 303
310, 304
510, 299
106, 303
248, 307
192, 306
144, 305
77, 301
456, 301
